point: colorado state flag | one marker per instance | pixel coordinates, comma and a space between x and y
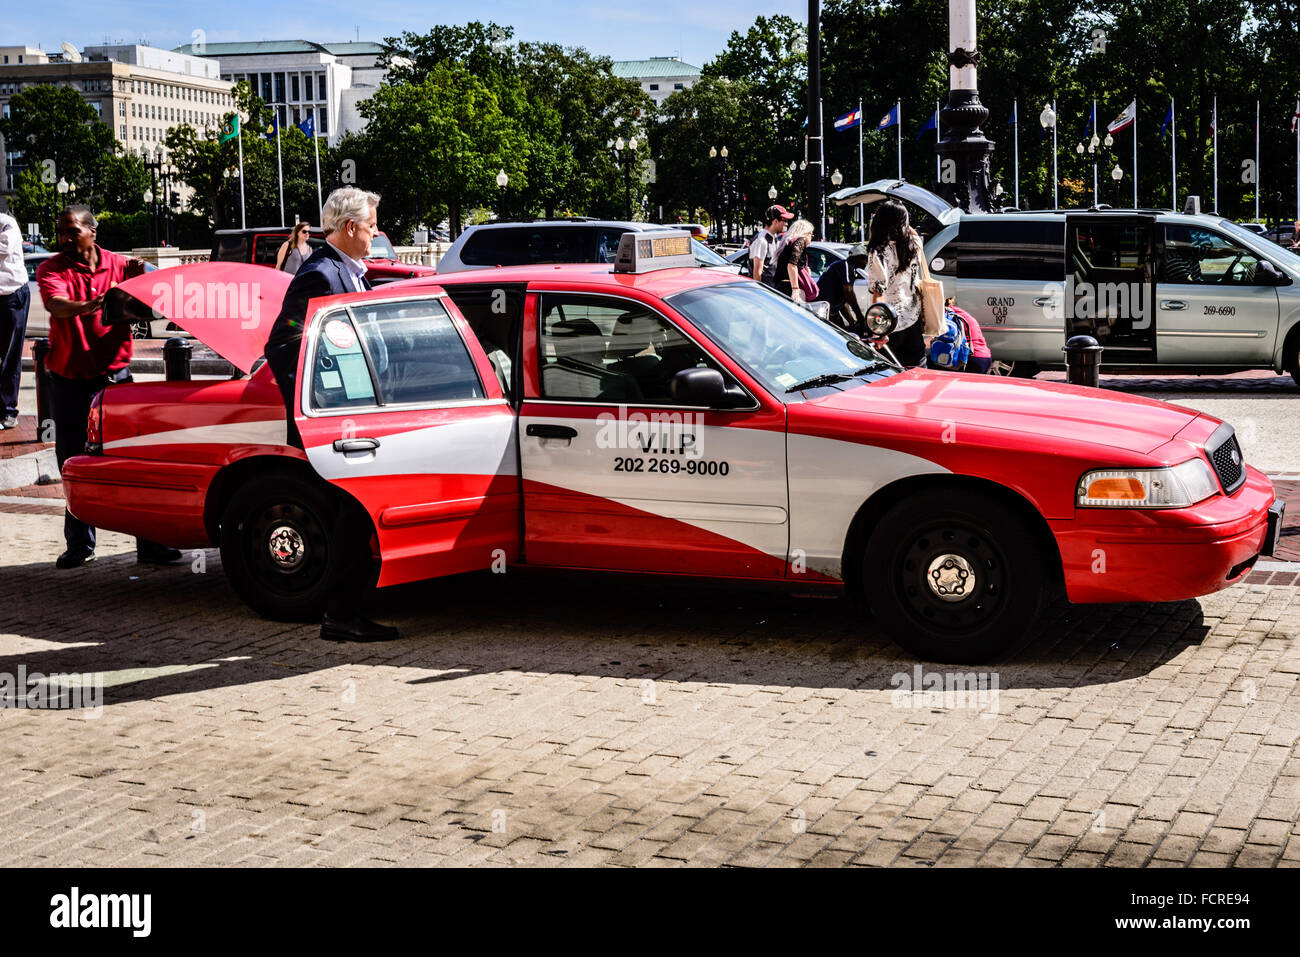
849, 120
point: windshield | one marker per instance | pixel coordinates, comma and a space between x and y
381, 248
780, 344
1265, 247
704, 256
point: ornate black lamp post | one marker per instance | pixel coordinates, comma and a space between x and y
965, 150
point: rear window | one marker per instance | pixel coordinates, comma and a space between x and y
1012, 250
527, 246
232, 249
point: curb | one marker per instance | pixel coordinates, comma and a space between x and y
34, 468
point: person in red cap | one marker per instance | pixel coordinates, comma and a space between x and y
85, 355
763, 248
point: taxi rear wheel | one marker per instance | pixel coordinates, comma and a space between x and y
275, 547
954, 582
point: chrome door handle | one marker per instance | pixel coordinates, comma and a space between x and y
1045, 301
1173, 305
355, 445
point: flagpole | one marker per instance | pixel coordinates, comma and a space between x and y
1295, 120
1173, 157
279, 167
1135, 154
320, 204
1056, 203
1096, 199
1015, 128
862, 210
1257, 161
938, 169
899, 108
1214, 128
243, 223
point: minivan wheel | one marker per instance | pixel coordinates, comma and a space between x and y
954, 582
275, 546
1291, 355
1016, 369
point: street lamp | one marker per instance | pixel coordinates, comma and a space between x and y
720, 196
836, 178
1048, 121
771, 193
623, 154
502, 181
1109, 140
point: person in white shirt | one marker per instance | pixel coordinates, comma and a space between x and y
15, 298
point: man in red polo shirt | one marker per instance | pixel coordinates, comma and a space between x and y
86, 355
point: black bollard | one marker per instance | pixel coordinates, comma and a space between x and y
41, 349
1083, 361
176, 359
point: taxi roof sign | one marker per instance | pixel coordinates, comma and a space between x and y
654, 249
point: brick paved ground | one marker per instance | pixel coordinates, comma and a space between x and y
547, 722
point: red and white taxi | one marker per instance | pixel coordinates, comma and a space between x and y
670, 421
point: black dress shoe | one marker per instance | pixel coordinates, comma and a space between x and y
157, 555
356, 629
71, 559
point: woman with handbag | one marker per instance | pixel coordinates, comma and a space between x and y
898, 275
792, 263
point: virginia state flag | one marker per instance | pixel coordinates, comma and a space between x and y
849, 120
927, 126
1169, 118
308, 126
889, 119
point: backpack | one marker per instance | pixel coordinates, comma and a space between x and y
951, 348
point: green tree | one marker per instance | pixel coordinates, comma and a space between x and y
59, 135
436, 144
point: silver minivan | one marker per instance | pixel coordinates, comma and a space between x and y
1158, 289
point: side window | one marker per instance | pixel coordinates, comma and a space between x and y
524, 245
1014, 250
598, 349
494, 313
340, 378
392, 353
265, 248
1193, 255
1101, 246
607, 244
417, 353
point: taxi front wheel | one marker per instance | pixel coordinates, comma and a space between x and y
958, 581
275, 548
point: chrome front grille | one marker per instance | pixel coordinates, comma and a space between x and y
1226, 455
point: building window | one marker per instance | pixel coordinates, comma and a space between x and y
293, 87
306, 81
121, 108
279, 88
122, 132
324, 121
678, 86
654, 86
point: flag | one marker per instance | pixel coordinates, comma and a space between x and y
1125, 119
1295, 117
889, 119
849, 120
1014, 120
1169, 118
273, 130
308, 126
230, 130
1087, 129
929, 125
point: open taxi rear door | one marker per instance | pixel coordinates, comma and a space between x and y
400, 408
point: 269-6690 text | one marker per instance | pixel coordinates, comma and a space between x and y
632, 463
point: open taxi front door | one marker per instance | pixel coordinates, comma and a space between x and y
400, 408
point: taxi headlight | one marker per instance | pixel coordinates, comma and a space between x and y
1177, 487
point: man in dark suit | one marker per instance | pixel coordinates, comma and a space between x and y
349, 220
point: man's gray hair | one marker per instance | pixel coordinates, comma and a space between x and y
344, 204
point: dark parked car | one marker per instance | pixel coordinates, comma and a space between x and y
261, 245
550, 241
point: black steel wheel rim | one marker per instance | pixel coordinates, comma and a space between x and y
278, 528
952, 577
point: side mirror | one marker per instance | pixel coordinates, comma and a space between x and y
1269, 274
881, 319
705, 387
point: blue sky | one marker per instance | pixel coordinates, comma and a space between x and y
694, 30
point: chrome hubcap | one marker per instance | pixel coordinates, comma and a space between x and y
286, 547
951, 578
